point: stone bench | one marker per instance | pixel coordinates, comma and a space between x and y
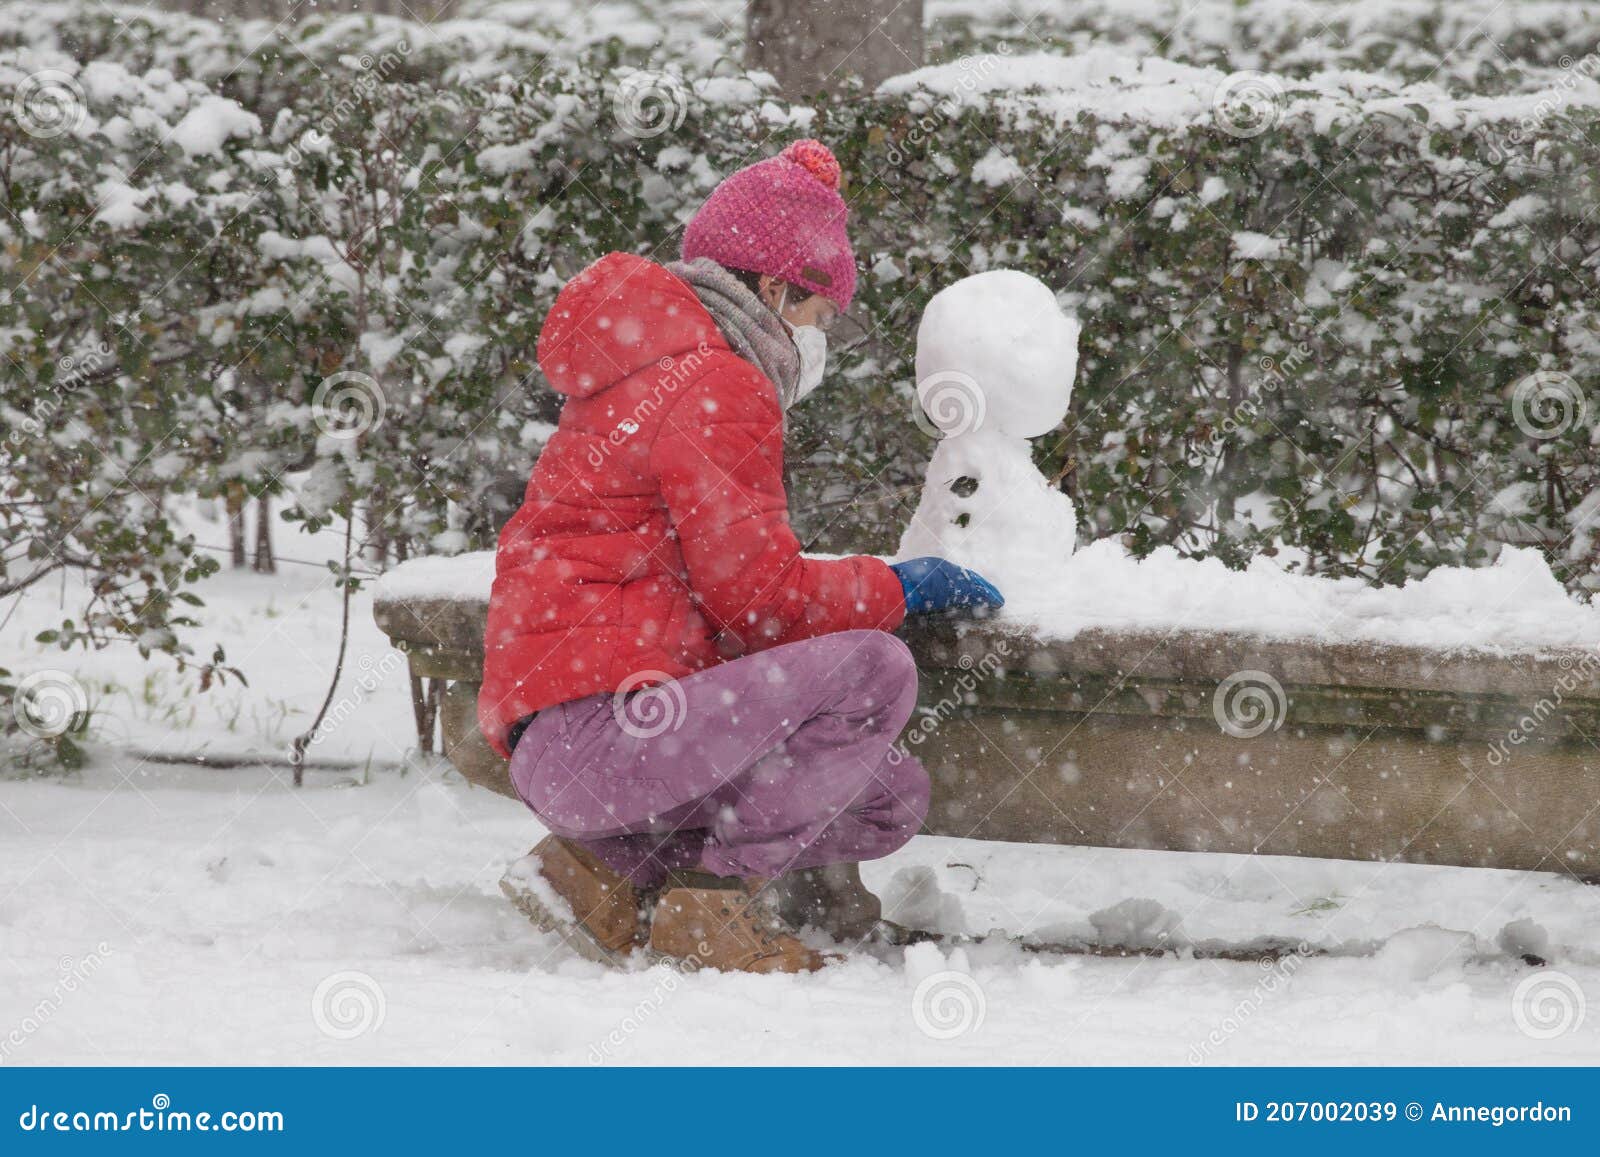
1148, 740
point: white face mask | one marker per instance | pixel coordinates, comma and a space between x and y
813, 346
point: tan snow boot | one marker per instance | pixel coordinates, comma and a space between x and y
729, 927
564, 889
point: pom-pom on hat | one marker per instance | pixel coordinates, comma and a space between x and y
783, 217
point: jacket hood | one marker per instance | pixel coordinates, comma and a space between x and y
615, 318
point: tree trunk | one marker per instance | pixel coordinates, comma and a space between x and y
377, 530
816, 46
264, 563
233, 502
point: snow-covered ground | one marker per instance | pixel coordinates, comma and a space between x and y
280, 630
151, 913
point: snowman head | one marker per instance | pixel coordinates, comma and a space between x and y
995, 352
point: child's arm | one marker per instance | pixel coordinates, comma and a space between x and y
719, 459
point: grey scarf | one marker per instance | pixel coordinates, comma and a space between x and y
756, 333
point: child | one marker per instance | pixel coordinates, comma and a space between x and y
690, 706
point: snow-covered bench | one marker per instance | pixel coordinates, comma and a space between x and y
1184, 739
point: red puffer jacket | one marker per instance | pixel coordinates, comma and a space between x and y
654, 537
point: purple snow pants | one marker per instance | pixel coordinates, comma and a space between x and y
777, 761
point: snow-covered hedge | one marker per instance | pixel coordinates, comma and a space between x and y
1481, 44
1465, 45
1327, 313
1340, 314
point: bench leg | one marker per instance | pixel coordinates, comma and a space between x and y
464, 744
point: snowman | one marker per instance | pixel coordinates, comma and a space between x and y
996, 358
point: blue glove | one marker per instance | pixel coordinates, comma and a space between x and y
937, 584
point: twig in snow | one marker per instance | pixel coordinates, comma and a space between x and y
297, 752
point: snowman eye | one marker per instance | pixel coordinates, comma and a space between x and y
964, 487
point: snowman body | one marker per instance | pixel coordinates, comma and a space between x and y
996, 359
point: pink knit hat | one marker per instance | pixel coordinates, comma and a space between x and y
783, 217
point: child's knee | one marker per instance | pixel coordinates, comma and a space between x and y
902, 802
891, 657
884, 665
